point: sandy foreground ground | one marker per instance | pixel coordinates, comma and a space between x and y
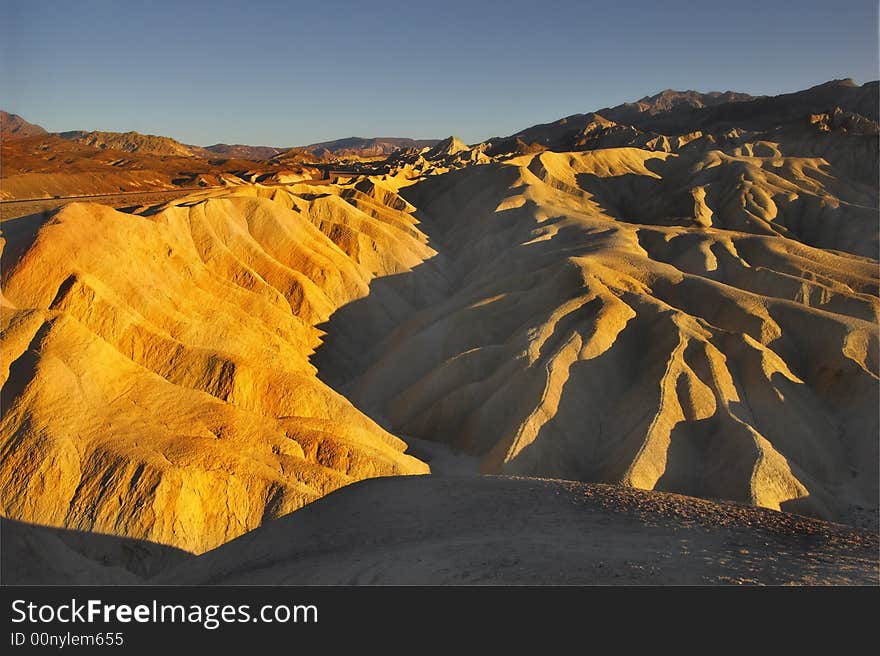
441, 530
499, 530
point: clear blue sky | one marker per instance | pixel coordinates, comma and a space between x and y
291, 73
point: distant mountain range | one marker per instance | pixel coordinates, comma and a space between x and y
664, 121
15, 127
671, 119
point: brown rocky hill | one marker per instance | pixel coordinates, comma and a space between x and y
130, 142
44, 166
13, 126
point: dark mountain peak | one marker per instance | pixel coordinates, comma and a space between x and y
668, 100
243, 151
843, 82
366, 146
671, 118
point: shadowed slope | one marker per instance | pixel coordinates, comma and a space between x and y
491, 530
40, 555
647, 318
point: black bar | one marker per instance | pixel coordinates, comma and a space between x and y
363, 615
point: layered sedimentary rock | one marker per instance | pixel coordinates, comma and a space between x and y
698, 314
702, 322
156, 368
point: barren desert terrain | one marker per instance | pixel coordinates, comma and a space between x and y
653, 329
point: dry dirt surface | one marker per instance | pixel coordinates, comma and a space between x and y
498, 530
475, 530
41, 555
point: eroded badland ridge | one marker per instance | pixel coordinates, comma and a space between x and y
678, 294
